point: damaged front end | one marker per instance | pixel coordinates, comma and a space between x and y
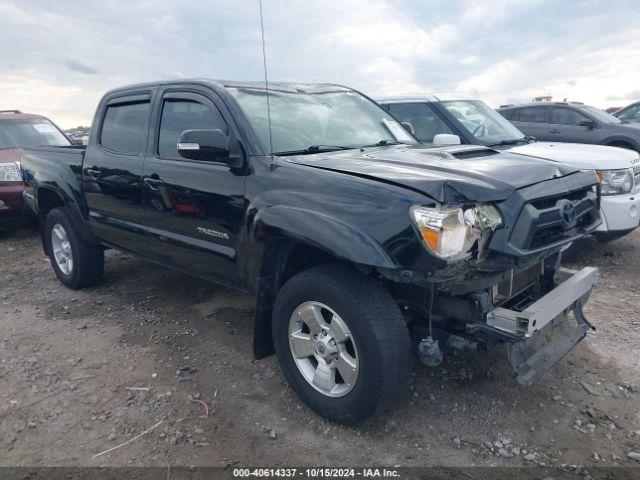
509, 287
543, 332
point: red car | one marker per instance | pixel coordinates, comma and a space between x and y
18, 130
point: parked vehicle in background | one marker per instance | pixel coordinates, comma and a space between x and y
19, 130
572, 122
612, 110
353, 237
474, 122
79, 136
630, 113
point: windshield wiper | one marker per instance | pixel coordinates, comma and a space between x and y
383, 143
510, 142
315, 149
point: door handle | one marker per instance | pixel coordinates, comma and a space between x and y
93, 173
153, 183
554, 130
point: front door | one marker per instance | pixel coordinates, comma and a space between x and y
112, 176
564, 126
194, 209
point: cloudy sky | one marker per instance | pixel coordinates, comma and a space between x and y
57, 58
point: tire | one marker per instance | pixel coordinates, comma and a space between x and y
355, 307
81, 264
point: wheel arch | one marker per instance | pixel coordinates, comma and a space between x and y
49, 197
620, 140
289, 240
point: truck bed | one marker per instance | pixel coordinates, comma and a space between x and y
53, 166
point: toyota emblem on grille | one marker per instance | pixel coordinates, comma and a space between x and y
568, 212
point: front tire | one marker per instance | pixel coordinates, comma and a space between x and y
341, 342
77, 263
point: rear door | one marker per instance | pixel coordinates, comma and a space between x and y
564, 126
194, 209
533, 121
112, 175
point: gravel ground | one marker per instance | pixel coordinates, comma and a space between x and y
84, 371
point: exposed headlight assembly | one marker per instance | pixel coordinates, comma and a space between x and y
450, 232
9, 172
616, 182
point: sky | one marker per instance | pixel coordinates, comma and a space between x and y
58, 58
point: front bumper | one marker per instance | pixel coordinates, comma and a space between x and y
542, 334
619, 212
12, 211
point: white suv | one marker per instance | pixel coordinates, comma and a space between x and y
451, 119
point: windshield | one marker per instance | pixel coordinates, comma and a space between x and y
325, 119
631, 112
601, 115
30, 133
482, 121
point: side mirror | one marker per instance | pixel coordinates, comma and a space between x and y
204, 145
409, 127
588, 123
445, 140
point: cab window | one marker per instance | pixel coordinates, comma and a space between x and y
179, 115
124, 128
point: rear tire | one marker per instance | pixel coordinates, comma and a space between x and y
363, 343
77, 263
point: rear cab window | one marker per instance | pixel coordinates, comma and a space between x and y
124, 127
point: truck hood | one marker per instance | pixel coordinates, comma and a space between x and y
10, 155
580, 155
448, 175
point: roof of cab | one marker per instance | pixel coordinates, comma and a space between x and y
222, 84
428, 97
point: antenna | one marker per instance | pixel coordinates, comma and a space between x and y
266, 78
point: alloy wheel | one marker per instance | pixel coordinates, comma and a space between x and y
323, 349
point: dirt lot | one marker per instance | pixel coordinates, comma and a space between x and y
70, 360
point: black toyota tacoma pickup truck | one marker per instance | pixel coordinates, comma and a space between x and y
358, 242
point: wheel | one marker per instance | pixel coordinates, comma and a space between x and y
341, 342
77, 263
